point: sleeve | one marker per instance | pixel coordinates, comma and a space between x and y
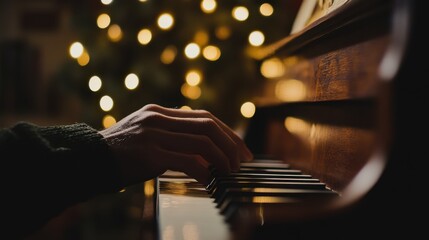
48, 169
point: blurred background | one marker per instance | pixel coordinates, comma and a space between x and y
98, 60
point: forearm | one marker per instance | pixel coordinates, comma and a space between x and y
51, 168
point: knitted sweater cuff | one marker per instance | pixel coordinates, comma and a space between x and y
97, 164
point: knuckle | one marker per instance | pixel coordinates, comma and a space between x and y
151, 107
151, 118
209, 124
204, 113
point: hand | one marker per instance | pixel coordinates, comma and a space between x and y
154, 139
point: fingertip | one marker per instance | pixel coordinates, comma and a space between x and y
248, 154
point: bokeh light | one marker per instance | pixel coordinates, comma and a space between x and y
131, 81
76, 49
106, 103
248, 109
165, 21
144, 36
266, 9
208, 6
103, 20
192, 50
95, 83
240, 13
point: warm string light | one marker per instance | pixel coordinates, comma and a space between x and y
240, 13
103, 20
201, 37
168, 54
165, 21
95, 83
131, 81
114, 32
192, 50
83, 59
266, 9
144, 36
106, 103
200, 46
108, 121
185, 107
193, 77
248, 109
106, 2
76, 50
191, 92
256, 38
208, 6
211, 53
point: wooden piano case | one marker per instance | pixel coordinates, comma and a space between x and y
338, 107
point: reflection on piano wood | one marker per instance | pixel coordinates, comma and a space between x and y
329, 110
210, 212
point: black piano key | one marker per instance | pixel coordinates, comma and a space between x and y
267, 159
261, 167
215, 181
233, 194
232, 203
231, 209
265, 165
262, 170
267, 175
261, 183
261, 173
221, 187
256, 177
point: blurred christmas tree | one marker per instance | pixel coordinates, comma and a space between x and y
182, 53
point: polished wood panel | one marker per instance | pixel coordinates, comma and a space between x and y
341, 63
321, 114
356, 132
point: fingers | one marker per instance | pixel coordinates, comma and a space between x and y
193, 165
244, 152
192, 144
181, 140
203, 128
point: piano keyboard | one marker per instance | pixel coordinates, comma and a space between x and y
189, 210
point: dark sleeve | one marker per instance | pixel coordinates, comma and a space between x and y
48, 169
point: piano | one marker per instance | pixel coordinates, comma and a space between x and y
339, 137
336, 156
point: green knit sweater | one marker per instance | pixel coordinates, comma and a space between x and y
48, 169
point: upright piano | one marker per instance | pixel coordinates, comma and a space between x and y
334, 137
339, 137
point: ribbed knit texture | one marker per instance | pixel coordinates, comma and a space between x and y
49, 169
